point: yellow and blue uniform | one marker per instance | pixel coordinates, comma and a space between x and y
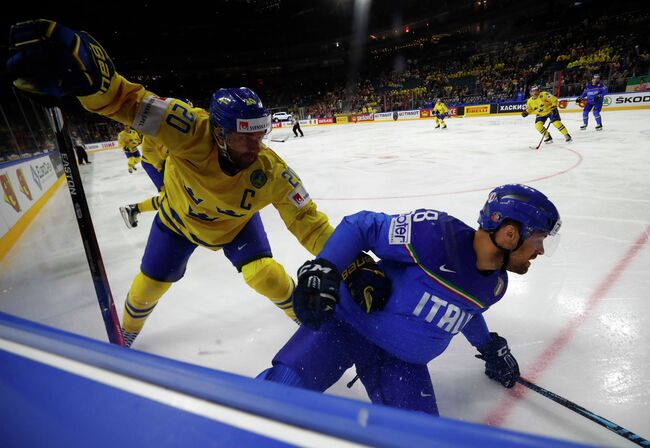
201, 205
154, 155
545, 106
440, 111
129, 140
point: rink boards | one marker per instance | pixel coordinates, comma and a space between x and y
61, 389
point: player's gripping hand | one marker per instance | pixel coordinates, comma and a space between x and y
597, 98
51, 60
500, 365
553, 109
579, 100
316, 293
367, 283
524, 114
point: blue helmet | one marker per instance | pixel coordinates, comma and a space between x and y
239, 110
523, 204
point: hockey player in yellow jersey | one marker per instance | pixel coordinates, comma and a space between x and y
440, 111
218, 174
154, 155
129, 139
545, 106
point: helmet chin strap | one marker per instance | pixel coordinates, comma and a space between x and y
506, 252
228, 164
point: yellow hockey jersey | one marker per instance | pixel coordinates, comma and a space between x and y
200, 201
440, 108
541, 105
154, 153
129, 140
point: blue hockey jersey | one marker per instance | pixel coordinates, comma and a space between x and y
591, 91
437, 290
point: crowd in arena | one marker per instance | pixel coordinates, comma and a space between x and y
467, 70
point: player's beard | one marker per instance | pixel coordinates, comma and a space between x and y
243, 161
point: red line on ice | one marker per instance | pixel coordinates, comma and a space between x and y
505, 406
473, 190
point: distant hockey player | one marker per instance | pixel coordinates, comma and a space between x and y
129, 139
82, 155
154, 155
593, 97
296, 127
444, 276
440, 111
545, 106
218, 175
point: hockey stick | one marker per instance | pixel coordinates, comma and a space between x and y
543, 135
93, 255
280, 139
585, 413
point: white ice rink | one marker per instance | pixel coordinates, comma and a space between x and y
578, 322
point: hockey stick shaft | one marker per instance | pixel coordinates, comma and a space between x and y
543, 135
86, 229
585, 413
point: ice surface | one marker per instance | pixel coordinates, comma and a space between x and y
578, 323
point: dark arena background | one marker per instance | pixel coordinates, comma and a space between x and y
369, 105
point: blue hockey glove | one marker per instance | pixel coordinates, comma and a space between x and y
524, 114
51, 60
367, 283
500, 365
316, 293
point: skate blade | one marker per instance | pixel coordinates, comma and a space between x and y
125, 217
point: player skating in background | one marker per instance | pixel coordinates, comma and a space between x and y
218, 174
296, 127
444, 276
154, 155
545, 106
440, 111
592, 97
129, 139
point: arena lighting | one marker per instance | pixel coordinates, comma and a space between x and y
358, 41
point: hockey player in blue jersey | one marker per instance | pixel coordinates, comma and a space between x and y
444, 275
593, 96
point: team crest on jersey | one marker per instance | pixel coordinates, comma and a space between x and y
258, 178
499, 288
400, 229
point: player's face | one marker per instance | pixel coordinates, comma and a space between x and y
244, 147
533, 246
534, 93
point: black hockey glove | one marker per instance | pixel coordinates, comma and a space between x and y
52, 61
597, 98
578, 100
316, 293
553, 109
524, 114
500, 365
367, 283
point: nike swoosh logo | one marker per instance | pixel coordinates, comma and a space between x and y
242, 246
444, 269
422, 394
